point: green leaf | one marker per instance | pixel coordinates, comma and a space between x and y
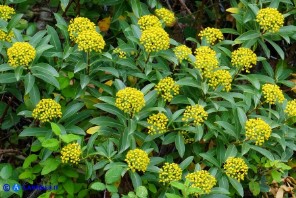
178, 185
44, 68
263, 151
69, 186
251, 34
180, 145
241, 116
277, 48
55, 128
69, 138
14, 21
34, 132
29, 82
50, 165
254, 187
142, 192
71, 110
230, 152
113, 174
31, 158
37, 38
7, 78
6, 172
50, 143
210, 158
136, 7
54, 38
277, 176
183, 165
98, 186
47, 78
64, 4
237, 186
136, 179
170, 195
84, 80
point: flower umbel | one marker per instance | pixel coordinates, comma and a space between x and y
71, 153
120, 52
148, 21
157, 123
137, 160
167, 16
79, 24
182, 52
257, 130
46, 110
195, 114
90, 40
212, 35
206, 60
21, 54
272, 94
290, 109
167, 88
270, 19
221, 77
6, 36
130, 100
236, 168
6, 12
202, 179
243, 58
155, 39
170, 172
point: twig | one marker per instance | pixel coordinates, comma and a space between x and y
187, 9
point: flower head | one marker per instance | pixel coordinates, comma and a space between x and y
272, 93
6, 12
212, 35
155, 39
195, 114
78, 25
137, 160
6, 36
221, 77
167, 88
257, 130
120, 52
21, 54
167, 16
236, 168
130, 100
206, 60
182, 52
187, 138
71, 153
270, 19
148, 21
90, 40
202, 179
157, 123
243, 58
46, 110
290, 109
170, 172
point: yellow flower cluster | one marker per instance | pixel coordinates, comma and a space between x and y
195, 113
243, 58
90, 40
71, 153
212, 35
155, 39
157, 123
170, 172
148, 21
6, 36
236, 168
221, 77
78, 25
270, 19
291, 108
167, 88
46, 110
21, 54
182, 52
137, 160
130, 100
202, 179
120, 52
6, 12
257, 130
187, 138
167, 16
206, 60
272, 93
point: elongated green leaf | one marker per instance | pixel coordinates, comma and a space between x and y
237, 186
34, 41
29, 83
47, 78
183, 165
71, 110
44, 68
136, 7
277, 48
98, 186
34, 132
136, 179
210, 158
7, 78
54, 39
113, 174
180, 145
13, 21
263, 151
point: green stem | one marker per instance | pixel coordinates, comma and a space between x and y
88, 63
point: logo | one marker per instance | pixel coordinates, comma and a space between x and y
16, 187
6, 187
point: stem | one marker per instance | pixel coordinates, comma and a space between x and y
87, 61
269, 112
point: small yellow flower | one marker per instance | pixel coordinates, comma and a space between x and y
155, 39
257, 130
272, 94
182, 52
167, 16
167, 88
270, 19
6, 36
243, 58
46, 110
90, 40
137, 160
195, 114
290, 109
71, 153
148, 21
221, 77
78, 25
206, 60
21, 54
170, 172
187, 138
203, 180
236, 168
157, 123
212, 35
130, 100
6, 12
120, 52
